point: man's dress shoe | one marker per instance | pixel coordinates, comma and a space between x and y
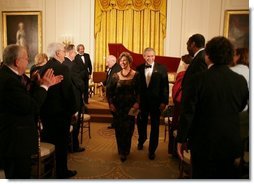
80, 149
68, 174
151, 156
123, 158
140, 146
111, 127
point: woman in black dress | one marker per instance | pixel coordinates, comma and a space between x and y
39, 61
123, 94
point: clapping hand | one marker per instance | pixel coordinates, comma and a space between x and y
49, 79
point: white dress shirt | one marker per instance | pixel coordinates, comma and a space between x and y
148, 74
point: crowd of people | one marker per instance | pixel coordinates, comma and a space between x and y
210, 96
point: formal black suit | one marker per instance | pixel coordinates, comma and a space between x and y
210, 120
56, 113
79, 90
197, 65
84, 69
76, 80
115, 68
18, 127
150, 99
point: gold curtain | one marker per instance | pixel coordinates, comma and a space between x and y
136, 24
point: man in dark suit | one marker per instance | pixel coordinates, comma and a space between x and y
78, 84
195, 47
153, 99
113, 67
58, 109
83, 60
210, 115
19, 110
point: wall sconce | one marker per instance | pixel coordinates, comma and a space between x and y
67, 39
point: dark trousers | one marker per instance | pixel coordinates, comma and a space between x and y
142, 128
76, 125
86, 90
57, 131
75, 134
202, 168
17, 167
171, 128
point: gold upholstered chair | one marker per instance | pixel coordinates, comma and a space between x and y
85, 124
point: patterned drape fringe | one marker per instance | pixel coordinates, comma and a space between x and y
136, 24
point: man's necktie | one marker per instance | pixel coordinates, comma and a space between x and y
148, 73
83, 59
25, 82
109, 70
148, 66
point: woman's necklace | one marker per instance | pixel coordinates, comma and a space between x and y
126, 74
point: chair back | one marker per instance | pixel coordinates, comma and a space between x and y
99, 77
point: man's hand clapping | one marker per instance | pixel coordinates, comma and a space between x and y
48, 79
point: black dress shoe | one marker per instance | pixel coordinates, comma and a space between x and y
68, 174
111, 127
123, 158
80, 149
140, 146
151, 156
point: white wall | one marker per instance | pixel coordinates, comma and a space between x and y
187, 17
76, 18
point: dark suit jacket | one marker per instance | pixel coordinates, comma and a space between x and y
88, 64
158, 90
210, 117
76, 81
115, 68
67, 62
18, 111
61, 97
81, 70
197, 65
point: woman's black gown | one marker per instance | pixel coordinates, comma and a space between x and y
123, 94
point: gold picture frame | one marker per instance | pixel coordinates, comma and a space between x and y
23, 28
236, 27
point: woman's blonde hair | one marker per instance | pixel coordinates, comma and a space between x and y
40, 59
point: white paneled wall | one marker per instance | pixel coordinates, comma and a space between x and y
187, 17
76, 19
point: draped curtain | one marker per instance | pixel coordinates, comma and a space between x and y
136, 24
